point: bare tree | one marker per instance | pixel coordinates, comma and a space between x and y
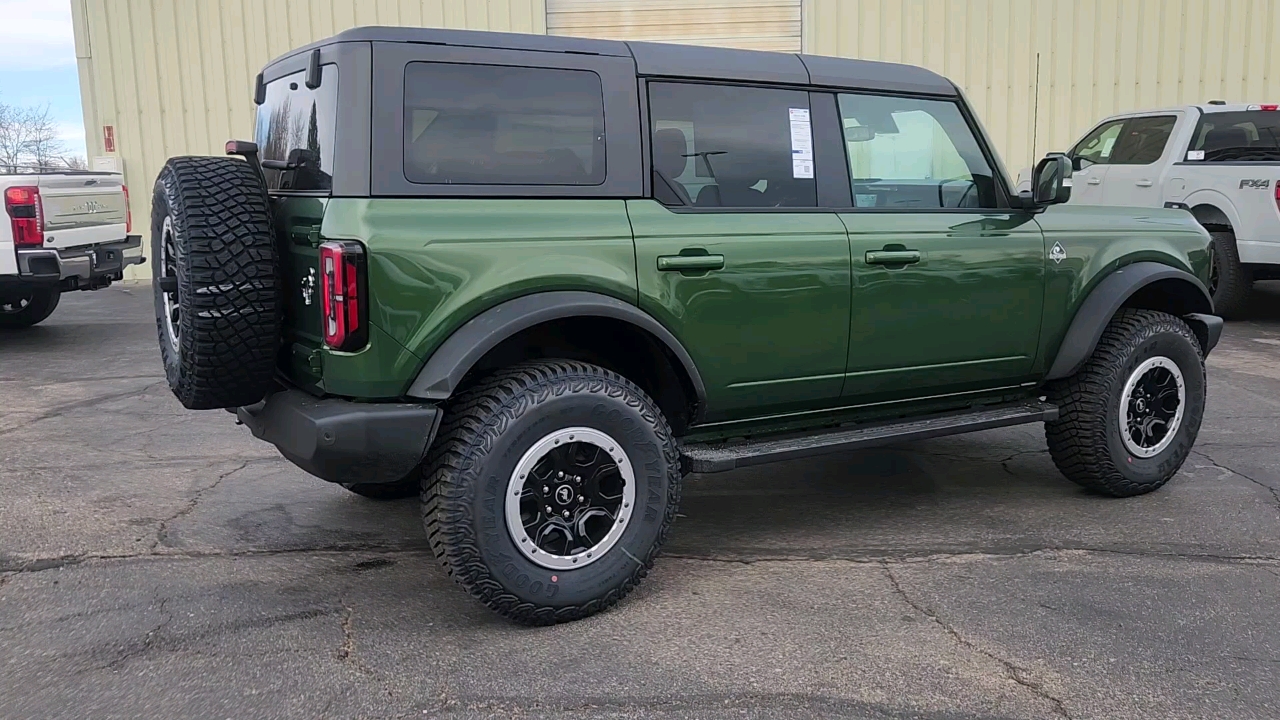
29, 138
74, 162
44, 146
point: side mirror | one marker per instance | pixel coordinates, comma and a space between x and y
1051, 181
1078, 163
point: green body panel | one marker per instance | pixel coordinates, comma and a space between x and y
1099, 239
435, 264
769, 332
965, 317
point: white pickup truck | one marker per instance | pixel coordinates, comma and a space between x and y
62, 230
1220, 162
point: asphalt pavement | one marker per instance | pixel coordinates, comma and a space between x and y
160, 563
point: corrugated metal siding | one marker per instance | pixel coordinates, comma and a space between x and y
749, 24
1096, 57
175, 77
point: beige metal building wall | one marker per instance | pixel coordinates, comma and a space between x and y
175, 77
1041, 72
749, 24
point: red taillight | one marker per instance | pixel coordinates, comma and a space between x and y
25, 215
342, 285
128, 211
1277, 184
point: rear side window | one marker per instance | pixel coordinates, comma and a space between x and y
497, 125
909, 153
719, 146
1142, 140
295, 131
1250, 135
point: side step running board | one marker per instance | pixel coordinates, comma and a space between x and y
720, 457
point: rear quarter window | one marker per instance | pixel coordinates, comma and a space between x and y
498, 125
295, 131
1252, 135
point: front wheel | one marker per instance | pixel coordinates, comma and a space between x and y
550, 490
28, 306
1129, 417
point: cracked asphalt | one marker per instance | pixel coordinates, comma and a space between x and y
158, 563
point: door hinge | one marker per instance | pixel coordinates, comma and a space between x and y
315, 362
313, 237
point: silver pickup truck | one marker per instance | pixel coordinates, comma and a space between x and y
1220, 162
62, 230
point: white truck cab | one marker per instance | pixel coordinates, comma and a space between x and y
1220, 162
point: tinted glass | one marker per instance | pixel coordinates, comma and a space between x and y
496, 125
910, 153
295, 131
1250, 135
716, 146
1096, 147
1142, 140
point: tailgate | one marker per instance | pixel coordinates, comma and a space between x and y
83, 209
297, 226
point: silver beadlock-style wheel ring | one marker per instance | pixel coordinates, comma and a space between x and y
169, 267
1152, 406
570, 498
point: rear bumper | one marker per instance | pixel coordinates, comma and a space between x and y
342, 441
79, 268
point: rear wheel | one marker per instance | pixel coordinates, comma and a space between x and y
217, 293
28, 306
1230, 281
1129, 417
550, 490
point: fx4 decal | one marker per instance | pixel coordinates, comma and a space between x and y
1254, 184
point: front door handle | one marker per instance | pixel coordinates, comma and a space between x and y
1095, 181
1144, 183
892, 257
690, 262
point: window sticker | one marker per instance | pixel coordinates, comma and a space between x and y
1106, 147
801, 144
1195, 154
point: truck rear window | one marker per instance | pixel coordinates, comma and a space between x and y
497, 125
295, 131
1248, 135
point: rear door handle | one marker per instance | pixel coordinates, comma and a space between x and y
690, 262
1144, 183
1095, 181
892, 257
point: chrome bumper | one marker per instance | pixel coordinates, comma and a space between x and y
105, 261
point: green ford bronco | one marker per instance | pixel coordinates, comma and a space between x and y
537, 280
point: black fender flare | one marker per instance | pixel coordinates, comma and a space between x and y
444, 370
1109, 296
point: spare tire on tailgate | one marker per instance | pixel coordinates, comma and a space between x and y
217, 289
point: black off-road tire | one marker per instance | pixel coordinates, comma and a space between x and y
1234, 279
24, 308
487, 431
1085, 440
211, 230
406, 488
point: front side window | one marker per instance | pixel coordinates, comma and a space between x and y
1252, 135
720, 146
908, 153
1096, 147
498, 125
1142, 140
295, 131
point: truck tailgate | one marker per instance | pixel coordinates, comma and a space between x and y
83, 210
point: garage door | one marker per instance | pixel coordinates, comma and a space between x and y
750, 24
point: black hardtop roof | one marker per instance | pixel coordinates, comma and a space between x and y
670, 60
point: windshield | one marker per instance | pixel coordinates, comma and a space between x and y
1248, 135
295, 131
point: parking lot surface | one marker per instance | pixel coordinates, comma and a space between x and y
161, 563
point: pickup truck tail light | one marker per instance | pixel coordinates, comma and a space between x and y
1277, 184
343, 295
128, 211
26, 217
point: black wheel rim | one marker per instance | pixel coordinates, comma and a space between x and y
14, 304
1151, 407
1215, 269
570, 498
